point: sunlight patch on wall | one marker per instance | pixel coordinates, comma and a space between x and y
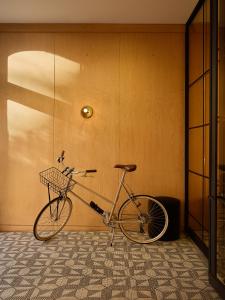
32, 70
35, 71
66, 77
29, 131
66, 70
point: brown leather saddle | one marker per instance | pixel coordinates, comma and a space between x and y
128, 168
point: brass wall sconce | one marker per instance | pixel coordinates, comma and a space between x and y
86, 111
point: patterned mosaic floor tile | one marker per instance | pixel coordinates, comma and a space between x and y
82, 265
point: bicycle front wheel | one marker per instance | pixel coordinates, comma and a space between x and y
52, 218
143, 219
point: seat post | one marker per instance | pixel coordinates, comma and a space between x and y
117, 194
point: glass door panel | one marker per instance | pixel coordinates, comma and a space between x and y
195, 203
196, 47
206, 151
206, 211
206, 98
207, 35
196, 104
196, 150
199, 124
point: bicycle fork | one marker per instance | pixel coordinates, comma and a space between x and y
55, 212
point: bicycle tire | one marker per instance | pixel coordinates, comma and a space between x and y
143, 219
45, 230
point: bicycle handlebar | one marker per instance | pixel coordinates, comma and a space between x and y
67, 170
60, 159
70, 170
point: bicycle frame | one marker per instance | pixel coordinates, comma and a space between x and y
113, 203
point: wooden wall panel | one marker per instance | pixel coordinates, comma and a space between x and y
135, 83
91, 78
152, 112
26, 100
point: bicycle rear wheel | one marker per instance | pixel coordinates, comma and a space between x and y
143, 219
52, 218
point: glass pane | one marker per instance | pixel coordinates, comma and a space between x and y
207, 35
196, 150
206, 98
206, 150
206, 211
196, 47
196, 104
195, 198
195, 226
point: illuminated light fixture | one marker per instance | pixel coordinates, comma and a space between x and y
86, 111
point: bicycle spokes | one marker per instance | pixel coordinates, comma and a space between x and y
143, 219
52, 218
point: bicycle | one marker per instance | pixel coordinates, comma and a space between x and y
141, 218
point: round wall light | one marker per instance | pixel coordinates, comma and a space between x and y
86, 111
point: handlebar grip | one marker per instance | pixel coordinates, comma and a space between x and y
66, 169
91, 171
70, 171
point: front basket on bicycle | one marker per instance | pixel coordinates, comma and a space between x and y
56, 180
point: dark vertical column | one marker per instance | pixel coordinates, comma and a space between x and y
186, 125
213, 134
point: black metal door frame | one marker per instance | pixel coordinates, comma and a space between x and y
216, 283
213, 131
194, 236
213, 150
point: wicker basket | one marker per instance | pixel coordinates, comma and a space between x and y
56, 181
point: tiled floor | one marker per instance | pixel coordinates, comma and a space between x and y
83, 266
